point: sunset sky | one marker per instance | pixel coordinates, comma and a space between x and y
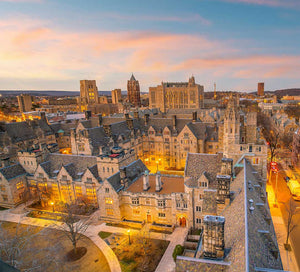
52, 44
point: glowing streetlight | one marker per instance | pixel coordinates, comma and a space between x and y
52, 204
156, 166
128, 231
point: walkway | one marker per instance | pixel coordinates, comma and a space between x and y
167, 263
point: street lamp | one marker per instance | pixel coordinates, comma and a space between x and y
128, 231
52, 204
156, 166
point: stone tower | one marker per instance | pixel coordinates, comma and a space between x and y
133, 91
88, 93
213, 237
231, 125
251, 126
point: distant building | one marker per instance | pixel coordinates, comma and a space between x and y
133, 91
261, 89
177, 95
25, 102
88, 93
103, 100
116, 96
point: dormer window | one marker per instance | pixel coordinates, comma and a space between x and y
64, 177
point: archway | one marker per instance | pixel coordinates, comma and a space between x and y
182, 221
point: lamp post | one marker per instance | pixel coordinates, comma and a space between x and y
52, 204
128, 231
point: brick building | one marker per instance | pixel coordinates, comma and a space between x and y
133, 91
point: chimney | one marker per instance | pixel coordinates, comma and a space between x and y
194, 116
213, 237
107, 129
158, 184
146, 185
123, 177
146, 119
223, 188
174, 121
129, 123
88, 115
136, 115
99, 119
227, 166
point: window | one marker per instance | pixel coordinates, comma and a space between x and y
210, 146
89, 179
135, 201
185, 205
136, 212
203, 184
177, 204
103, 169
241, 148
106, 190
41, 175
250, 148
5, 198
20, 185
64, 177
108, 200
167, 140
78, 190
107, 169
259, 149
161, 203
161, 215
198, 208
2, 188
112, 170
255, 161
200, 196
109, 212
185, 135
198, 220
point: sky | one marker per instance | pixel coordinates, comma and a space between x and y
52, 44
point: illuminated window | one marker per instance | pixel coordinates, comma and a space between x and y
5, 198
78, 190
109, 212
108, 200
198, 220
148, 201
200, 196
89, 179
20, 185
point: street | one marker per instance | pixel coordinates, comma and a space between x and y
283, 196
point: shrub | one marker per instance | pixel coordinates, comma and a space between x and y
178, 250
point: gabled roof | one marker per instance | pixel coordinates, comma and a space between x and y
12, 171
198, 164
19, 131
132, 78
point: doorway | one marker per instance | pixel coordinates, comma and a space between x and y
182, 222
148, 218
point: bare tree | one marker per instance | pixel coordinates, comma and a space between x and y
292, 210
73, 227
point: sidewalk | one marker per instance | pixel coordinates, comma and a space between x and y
287, 257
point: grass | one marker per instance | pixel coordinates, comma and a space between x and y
104, 234
48, 244
141, 255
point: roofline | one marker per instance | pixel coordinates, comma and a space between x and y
246, 219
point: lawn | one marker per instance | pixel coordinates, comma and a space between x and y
104, 234
49, 248
142, 254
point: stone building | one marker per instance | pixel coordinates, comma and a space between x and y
25, 102
240, 137
296, 149
88, 93
116, 96
133, 91
177, 95
241, 237
13, 185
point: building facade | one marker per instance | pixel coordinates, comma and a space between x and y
261, 89
133, 91
88, 93
116, 96
177, 95
25, 102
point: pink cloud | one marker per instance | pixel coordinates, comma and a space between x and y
272, 3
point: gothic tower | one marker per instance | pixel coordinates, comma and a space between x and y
231, 125
133, 91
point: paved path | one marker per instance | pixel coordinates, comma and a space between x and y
167, 263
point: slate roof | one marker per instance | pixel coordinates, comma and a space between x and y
97, 137
133, 171
66, 127
74, 164
19, 131
12, 171
254, 241
198, 164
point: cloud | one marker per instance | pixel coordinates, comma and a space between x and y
34, 51
185, 18
271, 3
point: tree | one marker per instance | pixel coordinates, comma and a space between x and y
73, 227
270, 133
292, 210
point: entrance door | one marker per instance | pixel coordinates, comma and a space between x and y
148, 218
182, 222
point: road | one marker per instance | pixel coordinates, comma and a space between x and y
283, 196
